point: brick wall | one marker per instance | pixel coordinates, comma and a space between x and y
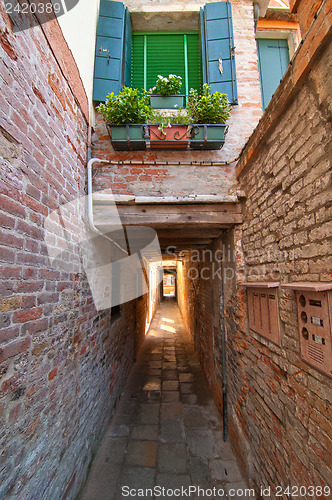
154, 179
146, 305
198, 281
281, 406
306, 11
62, 364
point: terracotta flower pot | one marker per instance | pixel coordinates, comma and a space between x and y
174, 137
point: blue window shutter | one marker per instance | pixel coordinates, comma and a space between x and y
127, 50
203, 45
273, 57
111, 49
218, 42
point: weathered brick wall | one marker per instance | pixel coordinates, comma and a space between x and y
154, 179
198, 278
281, 406
146, 306
306, 11
62, 364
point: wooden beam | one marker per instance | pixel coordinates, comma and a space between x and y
191, 233
208, 215
175, 243
181, 248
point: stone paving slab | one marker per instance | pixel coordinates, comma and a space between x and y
166, 431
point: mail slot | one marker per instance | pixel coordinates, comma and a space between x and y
314, 306
263, 310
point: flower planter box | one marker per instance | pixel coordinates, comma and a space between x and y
127, 137
209, 136
174, 137
167, 101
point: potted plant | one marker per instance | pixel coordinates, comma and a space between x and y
169, 131
209, 113
166, 93
125, 115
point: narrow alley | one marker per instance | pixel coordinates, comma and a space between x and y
166, 431
165, 249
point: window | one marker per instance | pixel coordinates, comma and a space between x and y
273, 57
153, 55
124, 59
276, 44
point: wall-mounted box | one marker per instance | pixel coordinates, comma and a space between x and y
314, 313
263, 309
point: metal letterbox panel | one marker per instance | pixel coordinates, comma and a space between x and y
274, 316
265, 317
264, 313
257, 311
314, 320
251, 310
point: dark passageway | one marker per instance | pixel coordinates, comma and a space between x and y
166, 430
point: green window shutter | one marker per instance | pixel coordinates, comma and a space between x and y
194, 63
273, 57
113, 49
218, 42
165, 55
161, 54
137, 70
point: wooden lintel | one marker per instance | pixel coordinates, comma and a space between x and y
192, 233
176, 243
173, 249
208, 215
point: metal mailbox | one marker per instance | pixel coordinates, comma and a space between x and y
314, 306
263, 310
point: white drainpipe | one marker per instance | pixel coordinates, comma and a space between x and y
90, 204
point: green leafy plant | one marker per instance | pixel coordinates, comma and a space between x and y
129, 106
208, 108
167, 86
166, 120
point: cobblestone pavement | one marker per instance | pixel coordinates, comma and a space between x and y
166, 431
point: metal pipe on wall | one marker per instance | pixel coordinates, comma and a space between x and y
223, 348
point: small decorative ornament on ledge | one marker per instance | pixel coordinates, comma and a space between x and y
221, 69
